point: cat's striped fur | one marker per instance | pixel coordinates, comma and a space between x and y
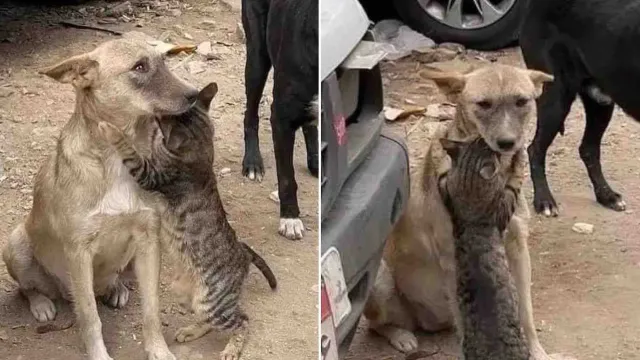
481, 204
180, 168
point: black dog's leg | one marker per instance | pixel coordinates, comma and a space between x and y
258, 64
284, 135
311, 141
598, 118
553, 107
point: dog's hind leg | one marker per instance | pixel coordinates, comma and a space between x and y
35, 284
258, 64
311, 141
598, 118
553, 107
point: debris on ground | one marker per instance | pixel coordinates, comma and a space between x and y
393, 114
403, 39
582, 228
274, 196
441, 112
196, 67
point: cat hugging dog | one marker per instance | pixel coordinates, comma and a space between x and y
481, 202
415, 288
91, 221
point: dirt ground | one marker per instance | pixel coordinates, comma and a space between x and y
33, 109
585, 287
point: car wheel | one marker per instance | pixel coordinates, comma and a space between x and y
479, 24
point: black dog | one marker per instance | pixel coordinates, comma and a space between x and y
282, 34
590, 47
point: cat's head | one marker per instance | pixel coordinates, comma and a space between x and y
189, 136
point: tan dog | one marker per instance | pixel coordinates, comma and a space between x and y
415, 288
89, 219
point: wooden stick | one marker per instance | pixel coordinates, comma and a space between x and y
89, 27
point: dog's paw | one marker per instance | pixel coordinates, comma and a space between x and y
545, 206
612, 200
42, 308
403, 340
252, 167
117, 297
292, 229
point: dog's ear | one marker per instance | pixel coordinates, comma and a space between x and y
207, 94
80, 71
539, 78
450, 83
452, 148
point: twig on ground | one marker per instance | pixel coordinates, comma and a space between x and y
89, 27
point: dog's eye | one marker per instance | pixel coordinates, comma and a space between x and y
141, 67
521, 102
484, 104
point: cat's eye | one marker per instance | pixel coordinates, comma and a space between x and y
484, 104
520, 102
141, 66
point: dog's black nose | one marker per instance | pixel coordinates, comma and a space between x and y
506, 144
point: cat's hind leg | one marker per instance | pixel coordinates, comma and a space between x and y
236, 343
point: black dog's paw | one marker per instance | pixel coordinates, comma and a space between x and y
312, 165
252, 167
545, 205
612, 200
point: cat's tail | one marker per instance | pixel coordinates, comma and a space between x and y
259, 262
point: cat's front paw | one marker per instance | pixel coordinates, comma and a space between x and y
109, 132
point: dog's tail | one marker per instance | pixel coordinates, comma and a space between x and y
259, 262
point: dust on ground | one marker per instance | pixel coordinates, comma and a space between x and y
585, 287
33, 109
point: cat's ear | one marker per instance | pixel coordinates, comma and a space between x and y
452, 148
172, 139
207, 94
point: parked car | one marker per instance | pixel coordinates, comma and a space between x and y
364, 176
478, 24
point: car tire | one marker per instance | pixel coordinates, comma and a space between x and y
497, 35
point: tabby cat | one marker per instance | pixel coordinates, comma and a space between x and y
180, 167
481, 204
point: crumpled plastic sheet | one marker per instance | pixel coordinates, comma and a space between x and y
403, 39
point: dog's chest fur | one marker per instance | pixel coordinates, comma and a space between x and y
122, 195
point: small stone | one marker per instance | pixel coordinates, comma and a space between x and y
196, 67
187, 36
209, 23
274, 196
225, 171
582, 228
204, 49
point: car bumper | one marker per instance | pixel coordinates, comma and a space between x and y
369, 204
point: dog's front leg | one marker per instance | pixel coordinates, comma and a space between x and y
80, 262
147, 268
283, 140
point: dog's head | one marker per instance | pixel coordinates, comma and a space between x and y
125, 78
497, 100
